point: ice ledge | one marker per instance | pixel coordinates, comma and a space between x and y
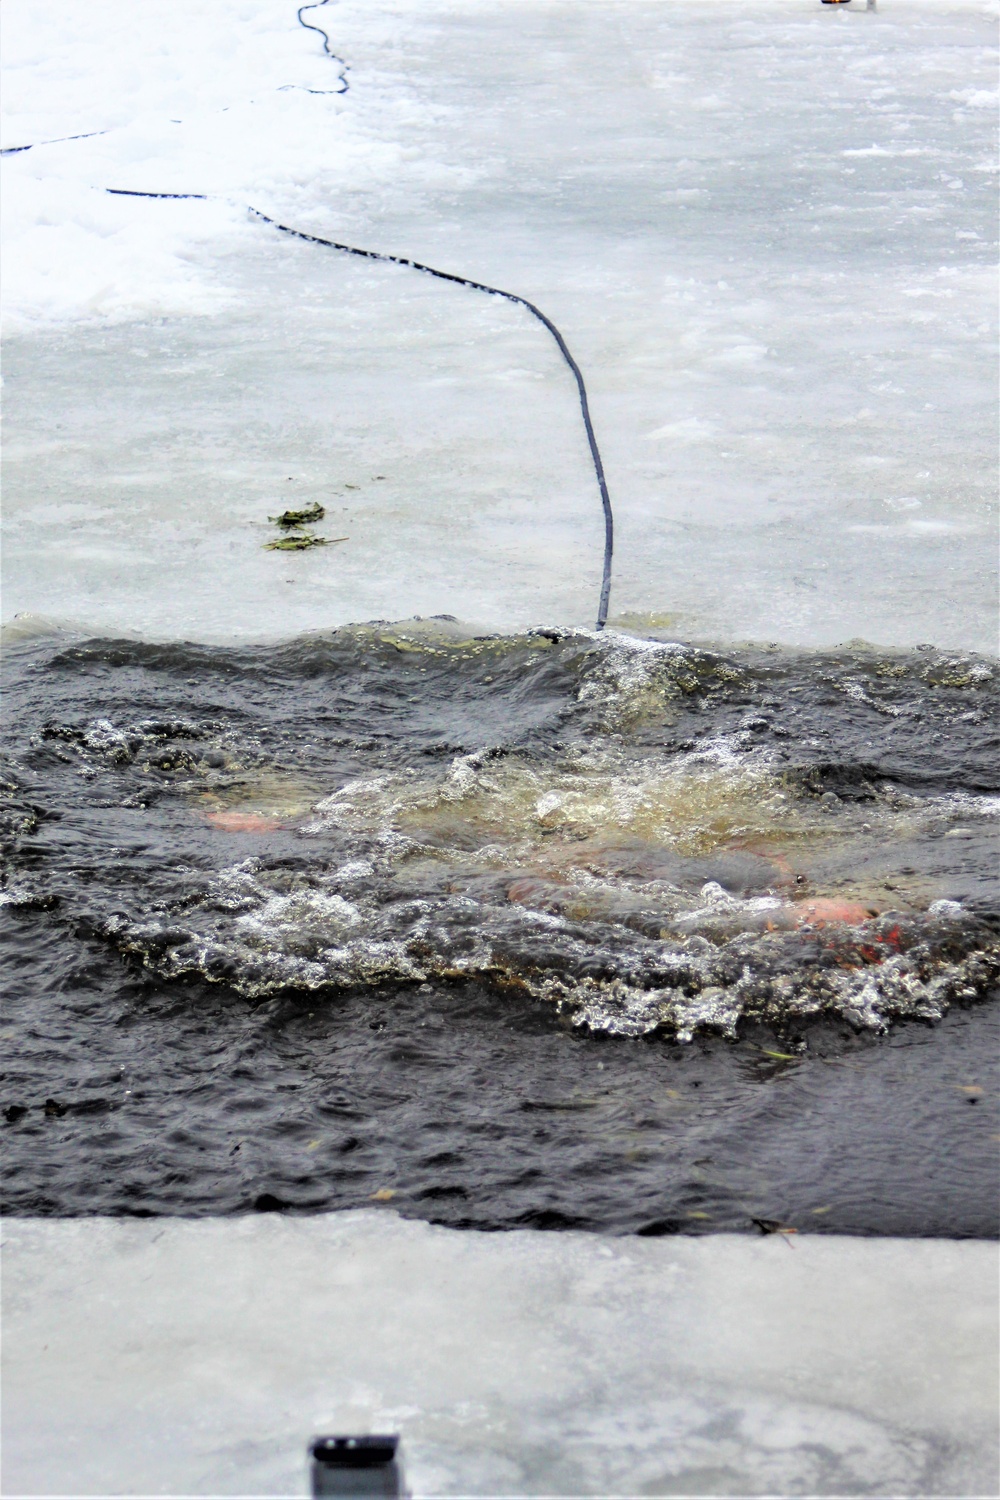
197, 1356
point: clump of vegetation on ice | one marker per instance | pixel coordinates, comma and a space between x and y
304, 517
294, 520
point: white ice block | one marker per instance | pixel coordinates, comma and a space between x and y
198, 1356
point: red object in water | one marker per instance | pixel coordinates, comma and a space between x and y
824, 910
243, 822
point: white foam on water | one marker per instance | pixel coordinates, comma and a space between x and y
197, 1357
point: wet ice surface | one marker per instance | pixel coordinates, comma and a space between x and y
291, 926
512, 1364
766, 234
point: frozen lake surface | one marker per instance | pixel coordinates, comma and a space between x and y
766, 232
198, 1358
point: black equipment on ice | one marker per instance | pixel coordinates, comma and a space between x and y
356, 1467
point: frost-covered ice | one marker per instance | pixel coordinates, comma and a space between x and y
766, 231
189, 1357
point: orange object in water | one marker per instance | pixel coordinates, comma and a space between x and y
827, 909
243, 822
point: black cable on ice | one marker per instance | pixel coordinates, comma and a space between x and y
56, 141
317, 5
132, 193
495, 291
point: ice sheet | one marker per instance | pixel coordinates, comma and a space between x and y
766, 233
197, 1357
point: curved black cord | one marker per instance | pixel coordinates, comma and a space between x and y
316, 5
57, 140
476, 286
495, 291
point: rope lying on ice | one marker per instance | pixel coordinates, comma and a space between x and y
56, 141
326, 48
495, 291
476, 286
133, 193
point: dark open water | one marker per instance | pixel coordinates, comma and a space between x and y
551, 930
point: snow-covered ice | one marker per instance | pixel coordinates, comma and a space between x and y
766, 231
197, 1357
